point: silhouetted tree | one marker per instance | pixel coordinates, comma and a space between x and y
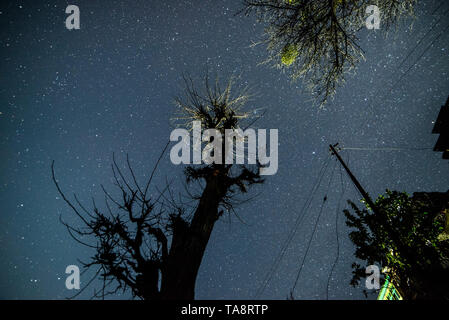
420, 224
316, 40
154, 246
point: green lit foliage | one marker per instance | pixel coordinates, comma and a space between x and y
419, 262
323, 34
289, 54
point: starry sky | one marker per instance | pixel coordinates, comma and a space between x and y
78, 96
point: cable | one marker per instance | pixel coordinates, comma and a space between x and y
314, 231
343, 189
423, 37
416, 61
434, 11
419, 42
292, 233
386, 149
370, 106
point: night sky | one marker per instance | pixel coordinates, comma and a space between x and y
79, 96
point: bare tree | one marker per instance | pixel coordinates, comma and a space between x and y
316, 40
153, 246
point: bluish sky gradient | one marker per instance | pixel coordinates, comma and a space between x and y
79, 96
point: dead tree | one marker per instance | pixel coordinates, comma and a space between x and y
153, 246
316, 40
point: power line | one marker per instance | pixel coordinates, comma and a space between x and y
425, 35
419, 42
314, 231
419, 58
408, 55
343, 189
387, 149
292, 233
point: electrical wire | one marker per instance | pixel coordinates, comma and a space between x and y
314, 231
419, 58
343, 189
386, 149
292, 233
425, 35
376, 94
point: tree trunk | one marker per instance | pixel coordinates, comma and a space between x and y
189, 243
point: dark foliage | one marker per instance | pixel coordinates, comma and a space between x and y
417, 256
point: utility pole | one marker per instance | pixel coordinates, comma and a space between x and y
392, 233
354, 180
